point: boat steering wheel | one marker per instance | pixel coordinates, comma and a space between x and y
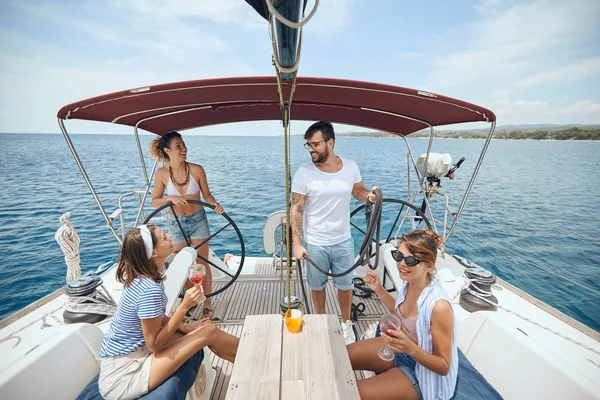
402, 204
189, 242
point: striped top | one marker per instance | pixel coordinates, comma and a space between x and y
433, 386
143, 299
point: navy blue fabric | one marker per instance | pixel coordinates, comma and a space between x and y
174, 388
470, 384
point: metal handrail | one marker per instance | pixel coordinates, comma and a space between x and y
87, 179
472, 181
412, 195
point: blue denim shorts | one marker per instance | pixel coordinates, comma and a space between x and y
407, 365
194, 225
336, 259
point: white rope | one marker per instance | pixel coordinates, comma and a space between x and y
275, 14
45, 324
67, 238
286, 70
467, 283
100, 302
286, 21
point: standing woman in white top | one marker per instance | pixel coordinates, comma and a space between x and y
426, 359
184, 181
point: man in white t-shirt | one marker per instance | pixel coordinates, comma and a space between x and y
321, 209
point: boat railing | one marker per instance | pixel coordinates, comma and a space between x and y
447, 219
440, 225
119, 212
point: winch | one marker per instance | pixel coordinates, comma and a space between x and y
88, 301
480, 288
295, 303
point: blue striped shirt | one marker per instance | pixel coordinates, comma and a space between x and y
143, 299
433, 386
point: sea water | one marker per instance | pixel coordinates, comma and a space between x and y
530, 217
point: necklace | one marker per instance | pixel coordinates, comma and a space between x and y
187, 175
409, 310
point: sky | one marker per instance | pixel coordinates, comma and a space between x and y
529, 61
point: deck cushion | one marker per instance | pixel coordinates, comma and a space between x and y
174, 388
470, 384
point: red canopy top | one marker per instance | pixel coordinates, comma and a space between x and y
184, 105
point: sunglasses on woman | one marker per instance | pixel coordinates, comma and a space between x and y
411, 261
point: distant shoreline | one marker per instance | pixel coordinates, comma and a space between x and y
588, 134
341, 135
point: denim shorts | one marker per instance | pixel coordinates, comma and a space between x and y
195, 226
335, 259
407, 365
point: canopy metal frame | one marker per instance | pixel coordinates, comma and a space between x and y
167, 109
410, 157
107, 218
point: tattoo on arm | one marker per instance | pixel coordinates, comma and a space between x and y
297, 213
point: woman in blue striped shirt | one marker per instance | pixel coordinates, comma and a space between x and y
143, 347
426, 360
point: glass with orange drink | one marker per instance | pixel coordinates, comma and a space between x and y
293, 320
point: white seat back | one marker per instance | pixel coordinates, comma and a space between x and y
273, 223
177, 275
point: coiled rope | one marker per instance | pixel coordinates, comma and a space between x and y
67, 238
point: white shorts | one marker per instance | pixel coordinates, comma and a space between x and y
125, 377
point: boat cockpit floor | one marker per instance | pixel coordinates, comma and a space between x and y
261, 294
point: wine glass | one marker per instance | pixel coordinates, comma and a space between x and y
388, 321
196, 274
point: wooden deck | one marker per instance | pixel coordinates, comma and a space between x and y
261, 294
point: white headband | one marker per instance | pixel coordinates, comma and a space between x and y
147, 238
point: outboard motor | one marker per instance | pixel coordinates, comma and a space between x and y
88, 301
471, 298
438, 166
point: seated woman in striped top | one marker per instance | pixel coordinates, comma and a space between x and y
425, 365
143, 347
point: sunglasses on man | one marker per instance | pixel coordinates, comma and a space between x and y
411, 261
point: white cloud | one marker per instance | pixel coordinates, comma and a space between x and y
219, 11
538, 111
583, 108
412, 55
521, 44
331, 16
144, 43
160, 32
